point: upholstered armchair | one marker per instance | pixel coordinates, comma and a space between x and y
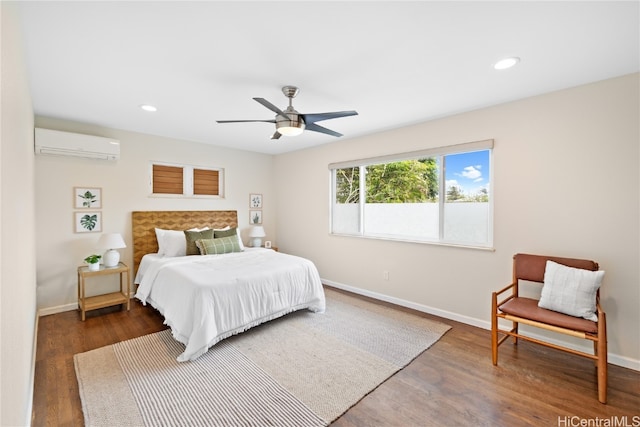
569, 304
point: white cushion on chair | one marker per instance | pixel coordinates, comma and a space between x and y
570, 290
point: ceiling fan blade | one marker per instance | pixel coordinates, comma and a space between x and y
272, 107
317, 128
317, 117
276, 135
244, 121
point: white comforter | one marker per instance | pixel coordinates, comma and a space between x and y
205, 299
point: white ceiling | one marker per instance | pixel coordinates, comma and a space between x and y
396, 63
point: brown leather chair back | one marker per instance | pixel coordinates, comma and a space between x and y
531, 267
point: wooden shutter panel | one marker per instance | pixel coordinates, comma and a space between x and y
167, 179
206, 182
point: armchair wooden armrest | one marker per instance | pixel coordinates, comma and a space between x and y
514, 293
506, 288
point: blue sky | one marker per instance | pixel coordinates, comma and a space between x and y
469, 171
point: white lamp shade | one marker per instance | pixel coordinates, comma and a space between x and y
256, 234
257, 231
111, 241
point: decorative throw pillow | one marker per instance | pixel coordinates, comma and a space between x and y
192, 236
229, 232
225, 232
570, 290
222, 245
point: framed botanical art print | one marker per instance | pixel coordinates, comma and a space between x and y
88, 222
87, 198
255, 201
255, 217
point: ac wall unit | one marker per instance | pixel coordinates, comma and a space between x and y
57, 143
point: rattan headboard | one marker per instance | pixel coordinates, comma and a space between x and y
143, 224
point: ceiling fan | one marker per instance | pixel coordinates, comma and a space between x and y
290, 122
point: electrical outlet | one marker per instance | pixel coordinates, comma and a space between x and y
385, 274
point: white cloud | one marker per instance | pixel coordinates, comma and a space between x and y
472, 172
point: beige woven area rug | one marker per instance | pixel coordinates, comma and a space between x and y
304, 369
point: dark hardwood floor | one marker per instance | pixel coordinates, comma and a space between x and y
451, 384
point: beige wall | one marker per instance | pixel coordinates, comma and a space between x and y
565, 183
125, 188
17, 264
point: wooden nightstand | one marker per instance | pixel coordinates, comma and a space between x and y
105, 300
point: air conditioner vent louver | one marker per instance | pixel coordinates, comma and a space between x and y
58, 143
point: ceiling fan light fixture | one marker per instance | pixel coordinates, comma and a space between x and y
292, 127
291, 130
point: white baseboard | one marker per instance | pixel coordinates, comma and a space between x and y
57, 309
614, 359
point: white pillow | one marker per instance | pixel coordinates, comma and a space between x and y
160, 238
570, 290
172, 243
240, 239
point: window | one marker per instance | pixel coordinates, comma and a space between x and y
186, 180
438, 195
206, 182
167, 179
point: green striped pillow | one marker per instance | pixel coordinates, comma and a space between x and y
223, 245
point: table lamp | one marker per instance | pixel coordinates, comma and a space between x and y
111, 241
256, 234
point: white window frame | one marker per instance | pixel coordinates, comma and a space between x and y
442, 152
187, 181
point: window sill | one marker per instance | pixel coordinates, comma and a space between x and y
418, 241
183, 196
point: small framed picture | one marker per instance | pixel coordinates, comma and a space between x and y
88, 222
87, 198
255, 201
267, 244
255, 217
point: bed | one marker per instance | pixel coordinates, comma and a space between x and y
207, 298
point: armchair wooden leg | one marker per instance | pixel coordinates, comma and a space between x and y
602, 358
494, 329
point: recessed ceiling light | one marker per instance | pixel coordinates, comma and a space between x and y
505, 63
147, 107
